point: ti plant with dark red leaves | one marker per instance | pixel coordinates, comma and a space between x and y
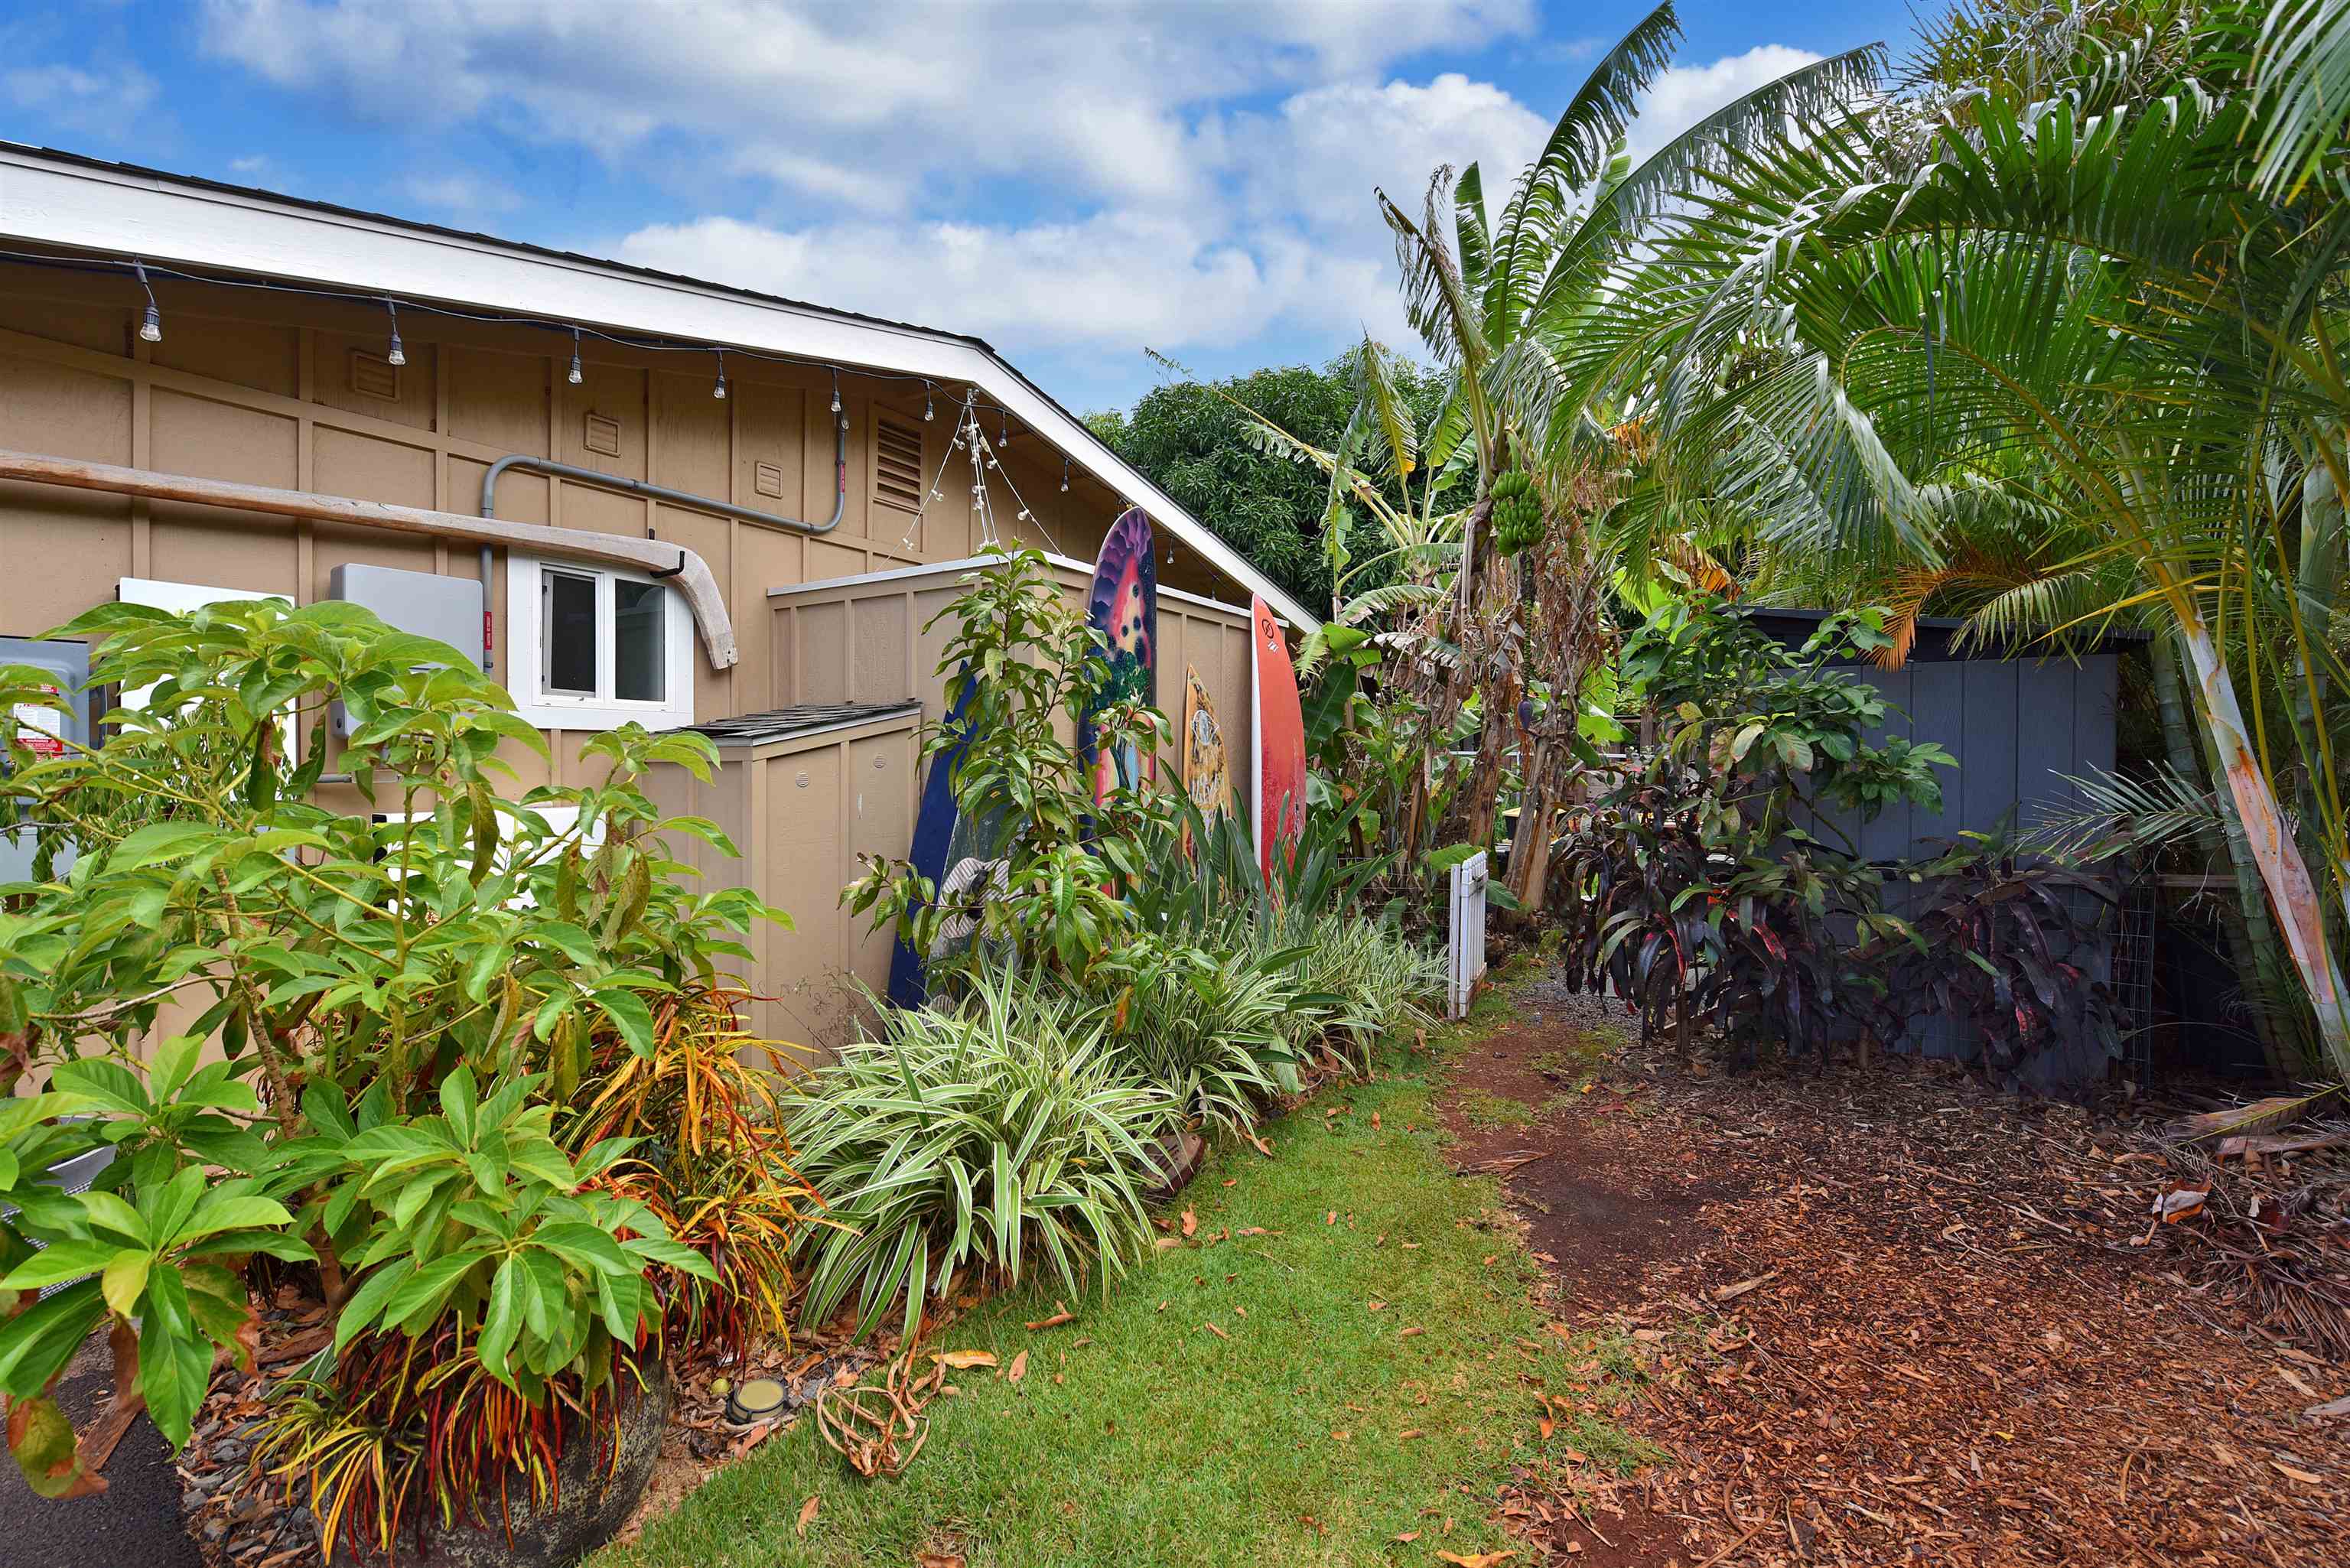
1680, 907
2004, 948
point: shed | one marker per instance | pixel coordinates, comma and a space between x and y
2022, 724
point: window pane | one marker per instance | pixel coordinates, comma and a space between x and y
568, 658
639, 662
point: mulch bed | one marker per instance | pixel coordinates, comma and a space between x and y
1891, 1316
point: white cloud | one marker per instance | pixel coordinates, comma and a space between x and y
1075, 181
100, 103
878, 105
458, 191
1320, 155
1683, 95
1115, 280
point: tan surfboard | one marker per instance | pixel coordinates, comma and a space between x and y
1207, 765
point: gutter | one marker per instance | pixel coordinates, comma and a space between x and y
689, 571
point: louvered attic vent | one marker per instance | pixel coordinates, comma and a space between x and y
898, 464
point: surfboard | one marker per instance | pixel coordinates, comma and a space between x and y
1277, 734
949, 848
1207, 770
1123, 605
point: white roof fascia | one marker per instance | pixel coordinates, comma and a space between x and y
971, 562
156, 219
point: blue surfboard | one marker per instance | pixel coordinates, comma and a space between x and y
935, 822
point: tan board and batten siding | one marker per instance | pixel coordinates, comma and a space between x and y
271, 388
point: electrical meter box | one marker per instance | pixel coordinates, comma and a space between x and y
64, 670
448, 609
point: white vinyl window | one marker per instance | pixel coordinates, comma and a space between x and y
590, 648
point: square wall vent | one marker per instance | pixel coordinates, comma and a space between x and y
373, 376
603, 435
767, 479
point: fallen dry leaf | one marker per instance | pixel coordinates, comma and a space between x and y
2292, 1474
1190, 1223
1378, 1306
1407, 1435
938, 1559
1333, 1219
1407, 1537
1018, 1369
1219, 1332
962, 1359
1407, 1333
1061, 1314
807, 1513
1481, 1559
1166, 1243
2181, 1202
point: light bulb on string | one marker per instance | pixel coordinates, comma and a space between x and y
397, 356
718, 389
577, 376
929, 413
835, 392
1064, 476
151, 328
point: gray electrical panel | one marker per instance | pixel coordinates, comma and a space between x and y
65, 667
448, 609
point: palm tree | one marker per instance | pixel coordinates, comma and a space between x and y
1506, 308
2081, 302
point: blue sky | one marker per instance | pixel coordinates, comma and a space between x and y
1072, 183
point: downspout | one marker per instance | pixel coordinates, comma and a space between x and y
655, 492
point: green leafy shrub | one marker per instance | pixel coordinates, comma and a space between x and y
1023, 659
1370, 979
364, 974
994, 1137
1211, 1030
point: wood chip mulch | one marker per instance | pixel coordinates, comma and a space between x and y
1889, 1316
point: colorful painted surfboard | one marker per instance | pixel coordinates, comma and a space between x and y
1277, 732
1123, 605
951, 849
1207, 769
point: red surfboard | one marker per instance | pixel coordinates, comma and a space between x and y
1277, 734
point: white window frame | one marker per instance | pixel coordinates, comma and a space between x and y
525, 638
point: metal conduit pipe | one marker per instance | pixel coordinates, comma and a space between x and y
657, 492
680, 497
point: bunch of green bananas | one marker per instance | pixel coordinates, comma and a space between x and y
1517, 513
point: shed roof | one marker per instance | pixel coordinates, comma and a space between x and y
1939, 637
75, 202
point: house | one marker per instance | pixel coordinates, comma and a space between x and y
657, 499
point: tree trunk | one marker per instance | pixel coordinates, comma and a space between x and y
2244, 923
2291, 895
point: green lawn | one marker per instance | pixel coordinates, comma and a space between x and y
1316, 1432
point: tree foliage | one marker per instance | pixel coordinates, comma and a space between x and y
1195, 440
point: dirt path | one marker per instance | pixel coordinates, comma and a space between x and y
1888, 1318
